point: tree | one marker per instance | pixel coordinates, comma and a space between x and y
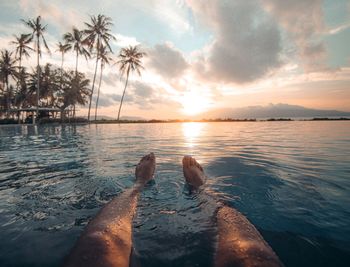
77, 43
37, 34
49, 85
22, 47
129, 61
21, 42
63, 48
104, 59
99, 35
22, 96
7, 70
75, 91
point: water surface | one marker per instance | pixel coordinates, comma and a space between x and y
291, 179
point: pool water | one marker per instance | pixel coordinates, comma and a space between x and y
291, 180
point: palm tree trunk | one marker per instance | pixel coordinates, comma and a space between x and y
17, 89
38, 81
18, 86
76, 64
7, 98
62, 70
121, 100
76, 75
93, 86
98, 91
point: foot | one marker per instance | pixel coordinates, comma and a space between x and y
193, 172
145, 169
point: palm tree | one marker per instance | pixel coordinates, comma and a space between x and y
50, 85
98, 34
38, 31
77, 43
21, 42
22, 97
129, 60
7, 70
75, 91
62, 48
104, 59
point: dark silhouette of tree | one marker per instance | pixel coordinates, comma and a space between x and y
22, 47
37, 35
23, 98
75, 91
98, 34
75, 40
49, 84
129, 61
8, 70
104, 59
63, 48
78, 44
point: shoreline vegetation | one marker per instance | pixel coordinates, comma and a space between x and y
47, 91
79, 120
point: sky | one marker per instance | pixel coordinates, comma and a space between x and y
204, 55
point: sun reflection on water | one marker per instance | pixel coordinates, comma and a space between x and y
191, 131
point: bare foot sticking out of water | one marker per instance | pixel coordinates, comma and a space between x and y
239, 243
145, 169
193, 172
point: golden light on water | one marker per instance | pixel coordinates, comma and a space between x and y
191, 131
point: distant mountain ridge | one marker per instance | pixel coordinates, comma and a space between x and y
271, 111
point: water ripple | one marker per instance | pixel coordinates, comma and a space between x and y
290, 179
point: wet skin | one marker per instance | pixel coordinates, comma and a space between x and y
239, 243
106, 241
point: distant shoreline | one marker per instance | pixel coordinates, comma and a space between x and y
84, 121
216, 120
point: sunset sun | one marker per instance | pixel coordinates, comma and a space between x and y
193, 103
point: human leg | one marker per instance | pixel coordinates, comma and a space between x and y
106, 241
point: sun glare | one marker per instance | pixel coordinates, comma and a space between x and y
194, 103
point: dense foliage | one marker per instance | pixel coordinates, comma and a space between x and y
48, 86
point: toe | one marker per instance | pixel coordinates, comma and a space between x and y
192, 162
197, 164
186, 161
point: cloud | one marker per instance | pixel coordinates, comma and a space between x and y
143, 95
105, 101
123, 41
63, 19
111, 78
339, 29
108, 100
246, 43
167, 60
148, 95
142, 89
304, 21
173, 14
